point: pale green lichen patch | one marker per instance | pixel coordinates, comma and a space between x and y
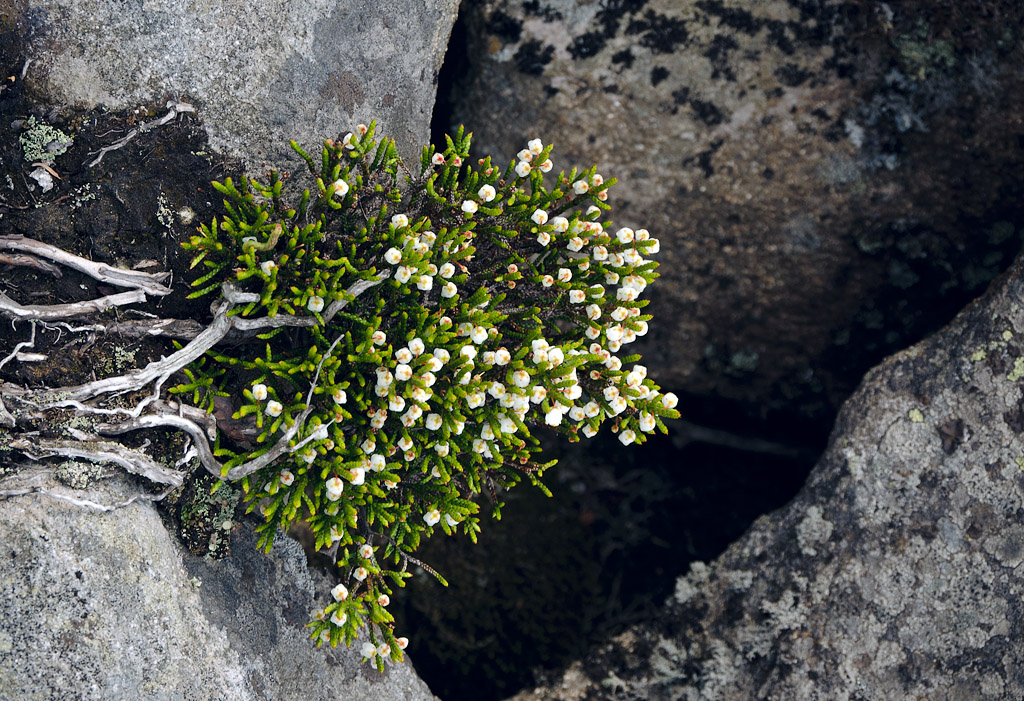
1018, 370
978, 355
42, 143
78, 474
916, 416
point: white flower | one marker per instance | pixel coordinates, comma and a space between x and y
403, 372
379, 337
384, 600
402, 643
338, 618
368, 650
360, 573
521, 378
600, 253
543, 238
619, 314
340, 592
347, 141
553, 417
287, 478
588, 431
646, 422
393, 256
339, 396
596, 180
575, 244
358, 476
274, 408
479, 334
315, 304
502, 356
580, 187
433, 421
259, 392
618, 405
592, 332
400, 221
450, 520
564, 274
447, 270
469, 206
425, 283
539, 216
535, 146
538, 394
404, 273
267, 266
546, 166
396, 403
525, 155
417, 346
627, 436
624, 235
334, 488
560, 224
377, 462
468, 352
432, 517
441, 449
593, 209
442, 355
340, 188
523, 169
486, 193
593, 312
547, 281
669, 400
437, 159
556, 357
487, 433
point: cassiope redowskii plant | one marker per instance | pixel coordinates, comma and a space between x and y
445, 315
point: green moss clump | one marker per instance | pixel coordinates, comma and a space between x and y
42, 143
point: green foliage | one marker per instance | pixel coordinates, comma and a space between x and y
451, 313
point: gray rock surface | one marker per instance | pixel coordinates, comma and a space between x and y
898, 571
809, 167
108, 606
260, 73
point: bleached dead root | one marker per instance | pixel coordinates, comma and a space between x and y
19, 406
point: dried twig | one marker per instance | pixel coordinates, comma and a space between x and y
101, 452
176, 108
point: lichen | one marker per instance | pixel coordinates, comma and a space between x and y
80, 474
42, 143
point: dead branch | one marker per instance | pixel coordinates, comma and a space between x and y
134, 279
72, 310
99, 452
176, 108
27, 261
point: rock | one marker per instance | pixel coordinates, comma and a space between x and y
827, 179
260, 73
110, 606
895, 573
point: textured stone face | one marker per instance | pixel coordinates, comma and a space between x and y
101, 606
894, 574
260, 73
814, 169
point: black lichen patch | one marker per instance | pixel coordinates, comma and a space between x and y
624, 58
718, 54
608, 20
658, 74
504, 27
792, 75
707, 112
732, 17
659, 33
533, 8
532, 56
703, 159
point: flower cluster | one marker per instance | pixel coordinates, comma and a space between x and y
444, 322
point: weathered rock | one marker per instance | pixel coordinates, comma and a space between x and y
828, 178
110, 606
260, 73
898, 571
